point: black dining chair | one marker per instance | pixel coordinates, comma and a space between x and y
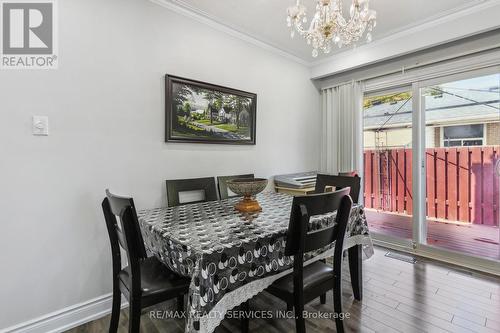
339, 182
145, 281
222, 184
308, 282
176, 186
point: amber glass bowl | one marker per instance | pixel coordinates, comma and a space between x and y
248, 188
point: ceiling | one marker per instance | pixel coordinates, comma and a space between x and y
264, 20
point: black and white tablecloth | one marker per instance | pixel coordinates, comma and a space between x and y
230, 256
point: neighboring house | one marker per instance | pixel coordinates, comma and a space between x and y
464, 118
225, 117
221, 116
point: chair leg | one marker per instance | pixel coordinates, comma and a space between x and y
300, 323
337, 303
337, 291
245, 321
180, 303
322, 298
134, 315
115, 310
356, 271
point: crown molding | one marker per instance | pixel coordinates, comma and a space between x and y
421, 27
202, 17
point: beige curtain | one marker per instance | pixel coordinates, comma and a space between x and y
342, 128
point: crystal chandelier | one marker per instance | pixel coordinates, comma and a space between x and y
329, 24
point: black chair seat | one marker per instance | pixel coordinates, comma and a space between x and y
156, 279
314, 275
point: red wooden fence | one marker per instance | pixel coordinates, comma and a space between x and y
461, 183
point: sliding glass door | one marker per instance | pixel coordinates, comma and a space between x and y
430, 151
462, 146
387, 133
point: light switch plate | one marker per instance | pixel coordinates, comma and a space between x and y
40, 125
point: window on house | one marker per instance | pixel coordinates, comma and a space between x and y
463, 135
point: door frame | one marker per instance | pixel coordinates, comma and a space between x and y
418, 244
419, 186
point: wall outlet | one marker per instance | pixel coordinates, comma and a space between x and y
40, 125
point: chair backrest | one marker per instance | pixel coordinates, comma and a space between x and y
299, 239
349, 173
354, 182
124, 233
176, 186
222, 184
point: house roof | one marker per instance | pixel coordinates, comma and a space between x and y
452, 106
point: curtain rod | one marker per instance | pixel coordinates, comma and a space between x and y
403, 69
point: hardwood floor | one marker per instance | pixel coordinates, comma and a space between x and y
398, 297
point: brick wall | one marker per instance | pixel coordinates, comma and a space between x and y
493, 134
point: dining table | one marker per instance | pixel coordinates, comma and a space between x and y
230, 256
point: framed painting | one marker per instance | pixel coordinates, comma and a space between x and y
201, 112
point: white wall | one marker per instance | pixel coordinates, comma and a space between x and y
106, 111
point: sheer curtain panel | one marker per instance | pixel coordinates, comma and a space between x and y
342, 123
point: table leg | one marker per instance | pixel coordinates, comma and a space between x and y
356, 270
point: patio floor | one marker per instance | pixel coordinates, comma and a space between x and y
474, 239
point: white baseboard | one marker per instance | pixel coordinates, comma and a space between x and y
65, 319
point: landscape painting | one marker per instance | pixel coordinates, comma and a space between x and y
206, 113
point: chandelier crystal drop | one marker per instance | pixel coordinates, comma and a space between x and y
328, 24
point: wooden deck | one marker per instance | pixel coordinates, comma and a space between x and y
474, 239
